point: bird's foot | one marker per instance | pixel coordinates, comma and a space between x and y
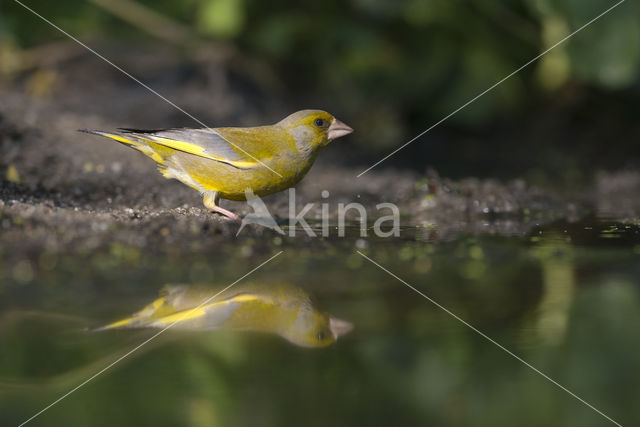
210, 201
226, 213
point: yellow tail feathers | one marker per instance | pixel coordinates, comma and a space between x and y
158, 308
145, 146
117, 137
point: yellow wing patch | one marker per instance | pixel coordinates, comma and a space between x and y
195, 313
150, 145
197, 150
181, 316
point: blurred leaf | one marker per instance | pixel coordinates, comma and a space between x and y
12, 174
606, 53
222, 18
554, 68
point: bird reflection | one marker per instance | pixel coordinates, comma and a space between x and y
281, 309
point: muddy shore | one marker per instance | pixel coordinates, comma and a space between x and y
62, 190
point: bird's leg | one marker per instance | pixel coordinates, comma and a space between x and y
211, 199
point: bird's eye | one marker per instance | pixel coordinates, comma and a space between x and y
319, 122
320, 334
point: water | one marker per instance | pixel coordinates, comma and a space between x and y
564, 297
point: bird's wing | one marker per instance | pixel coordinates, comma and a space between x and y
168, 310
205, 143
216, 312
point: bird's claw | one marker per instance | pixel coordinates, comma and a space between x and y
228, 215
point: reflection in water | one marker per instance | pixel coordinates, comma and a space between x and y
280, 309
556, 259
565, 298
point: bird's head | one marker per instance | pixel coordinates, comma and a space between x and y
315, 328
312, 129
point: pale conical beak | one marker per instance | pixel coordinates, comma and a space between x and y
337, 129
339, 327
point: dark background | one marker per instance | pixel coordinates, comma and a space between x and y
389, 69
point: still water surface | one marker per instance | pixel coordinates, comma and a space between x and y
565, 297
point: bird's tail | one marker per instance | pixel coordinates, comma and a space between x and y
129, 139
129, 322
120, 137
141, 318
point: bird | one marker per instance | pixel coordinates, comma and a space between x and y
278, 308
228, 162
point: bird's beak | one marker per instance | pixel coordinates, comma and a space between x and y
337, 129
339, 327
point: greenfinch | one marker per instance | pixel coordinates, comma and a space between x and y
231, 162
280, 309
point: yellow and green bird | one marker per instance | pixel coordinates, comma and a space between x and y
231, 162
279, 308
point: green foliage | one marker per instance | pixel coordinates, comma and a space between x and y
223, 18
606, 54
